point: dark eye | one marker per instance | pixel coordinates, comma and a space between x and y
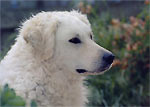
75, 40
91, 36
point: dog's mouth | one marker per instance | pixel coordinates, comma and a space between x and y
95, 72
81, 70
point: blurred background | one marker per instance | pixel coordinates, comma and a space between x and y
121, 26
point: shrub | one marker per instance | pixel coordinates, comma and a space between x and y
126, 83
8, 98
7, 44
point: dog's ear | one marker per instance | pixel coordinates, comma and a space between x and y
40, 33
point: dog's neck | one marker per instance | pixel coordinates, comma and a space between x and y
68, 85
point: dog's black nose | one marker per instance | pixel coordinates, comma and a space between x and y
108, 58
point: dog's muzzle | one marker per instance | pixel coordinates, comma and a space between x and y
107, 60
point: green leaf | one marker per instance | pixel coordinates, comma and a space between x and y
17, 102
33, 103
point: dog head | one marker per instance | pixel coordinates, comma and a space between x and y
68, 38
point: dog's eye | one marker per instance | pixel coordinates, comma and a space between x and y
91, 37
75, 40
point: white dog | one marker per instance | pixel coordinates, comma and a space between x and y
53, 52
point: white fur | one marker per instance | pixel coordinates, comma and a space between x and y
42, 64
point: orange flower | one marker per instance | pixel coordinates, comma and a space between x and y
139, 43
115, 22
88, 9
116, 37
125, 26
80, 5
138, 33
128, 47
116, 62
128, 28
135, 46
114, 43
141, 22
135, 24
132, 19
127, 55
124, 64
147, 2
147, 17
83, 10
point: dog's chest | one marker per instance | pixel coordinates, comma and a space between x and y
62, 91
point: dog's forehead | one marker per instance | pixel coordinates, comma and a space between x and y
72, 25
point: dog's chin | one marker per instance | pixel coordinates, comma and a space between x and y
98, 71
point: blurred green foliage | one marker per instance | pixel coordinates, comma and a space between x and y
8, 98
127, 82
7, 44
33, 103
